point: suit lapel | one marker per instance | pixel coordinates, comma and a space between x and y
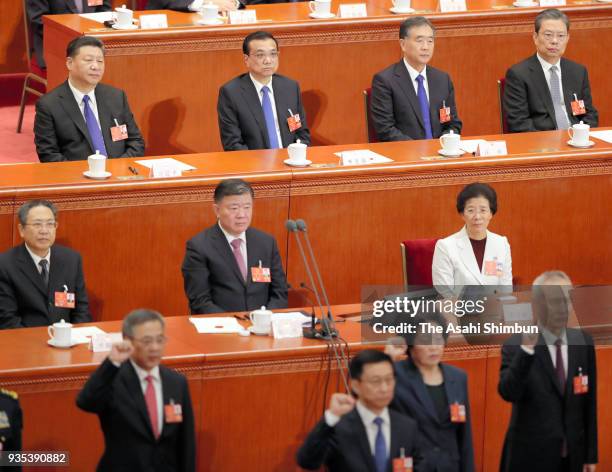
434, 98
357, 427
421, 393
105, 118
72, 109
56, 270
225, 251
540, 83
282, 111
249, 93
132, 384
466, 253
405, 83
568, 90
72, 6
26, 265
170, 395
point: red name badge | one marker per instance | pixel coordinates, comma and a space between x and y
578, 107
294, 122
119, 132
402, 464
445, 114
457, 411
173, 413
261, 274
493, 268
64, 299
94, 3
581, 384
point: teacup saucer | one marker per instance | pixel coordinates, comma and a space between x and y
51, 342
401, 11
103, 176
214, 22
581, 146
321, 16
290, 162
258, 333
127, 27
444, 153
525, 5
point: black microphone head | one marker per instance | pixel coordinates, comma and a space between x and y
301, 224
291, 225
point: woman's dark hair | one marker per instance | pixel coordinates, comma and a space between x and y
475, 190
429, 318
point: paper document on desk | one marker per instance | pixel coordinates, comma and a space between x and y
603, 135
470, 145
225, 324
361, 156
166, 161
99, 17
84, 335
293, 315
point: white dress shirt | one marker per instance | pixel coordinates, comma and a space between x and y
157, 386
368, 418
78, 96
195, 5
258, 87
37, 259
243, 246
546, 67
413, 76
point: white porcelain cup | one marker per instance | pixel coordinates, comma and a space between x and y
97, 163
450, 142
297, 152
209, 12
61, 333
124, 17
401, 5
579, 134
261, 319
320, 7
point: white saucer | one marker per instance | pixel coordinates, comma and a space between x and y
51, 342
104, 176
444, 153
321, 16
130, 27
213, 22
305, 163
581, 146
258, 333
397, 11
605, 1
525, 5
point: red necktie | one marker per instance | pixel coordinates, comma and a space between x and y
236, 243
151, 401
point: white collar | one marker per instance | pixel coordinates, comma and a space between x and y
78, 95
258, 85
550, 338
414, 73
231, 237
547, 65
37, 258
367, 416
143, 374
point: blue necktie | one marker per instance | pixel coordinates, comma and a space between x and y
380, 447
266, 104
424, 107
94, 128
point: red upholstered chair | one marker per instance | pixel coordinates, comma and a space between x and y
370, 131
503, 122
140, 4
417, 256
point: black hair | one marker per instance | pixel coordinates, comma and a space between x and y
367, 356
229, 187
474, 190
256, 35
81, 41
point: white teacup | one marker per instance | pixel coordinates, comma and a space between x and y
209, 12
297, 152
579, 134
401, 5
60, 333
124, 17
261, 319
97, 164
320, 7
450, 142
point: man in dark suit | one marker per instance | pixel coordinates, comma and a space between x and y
362, 435
144, 408
11, 424
410, 99
551, 380
260, 109
41, 282
82, 116
230, 266
37, 8
547, 91
190, 5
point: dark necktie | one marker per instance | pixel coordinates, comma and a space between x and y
380, 447
555, 94
424, 103
44, 271
93, 127
559, 368
236, 246
266, 104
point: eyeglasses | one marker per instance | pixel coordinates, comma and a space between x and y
149, 341
549, 36
379, 381
261, 56
38, 225
476, 211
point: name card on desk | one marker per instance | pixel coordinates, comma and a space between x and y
448, 6
287, 328
352, 10
242, 17
104, 342
551, 3
492, 148
164, 169
156, 21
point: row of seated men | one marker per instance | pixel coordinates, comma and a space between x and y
263, 110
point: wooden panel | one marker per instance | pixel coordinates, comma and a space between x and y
13, 56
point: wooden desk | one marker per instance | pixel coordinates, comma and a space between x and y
172, 76
554, 206
254, 398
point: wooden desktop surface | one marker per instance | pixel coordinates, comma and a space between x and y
172, 76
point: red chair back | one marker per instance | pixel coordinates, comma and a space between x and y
501, 85
371, 132
417, 257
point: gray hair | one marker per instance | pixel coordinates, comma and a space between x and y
24, 209
551, 14
138, 317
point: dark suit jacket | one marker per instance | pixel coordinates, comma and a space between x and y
11, 425
541, 415
213, 282
345, 447
395, 109
37, 8
241, 119
445, 446
527, 99
24, 301
115, 395
60, 132
179, 5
